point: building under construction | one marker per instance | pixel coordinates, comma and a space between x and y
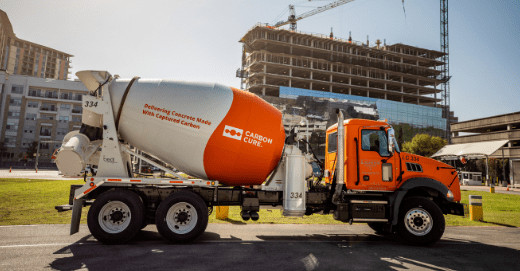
284, 63
278, 57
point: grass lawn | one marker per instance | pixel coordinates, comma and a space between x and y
26, 201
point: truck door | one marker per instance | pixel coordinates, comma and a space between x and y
330, 155
376, 171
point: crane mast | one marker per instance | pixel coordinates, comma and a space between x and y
446, 66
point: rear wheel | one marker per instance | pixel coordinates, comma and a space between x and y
182, 217
421, 221
116, 216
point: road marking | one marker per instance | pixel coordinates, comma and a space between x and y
10, 226
37, 245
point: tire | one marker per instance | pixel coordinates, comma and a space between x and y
378, 227
421, 221
116, 216
182, 217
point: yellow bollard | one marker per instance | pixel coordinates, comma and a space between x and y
222, 212
475, 208
491, 189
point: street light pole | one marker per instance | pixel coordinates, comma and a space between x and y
37, 156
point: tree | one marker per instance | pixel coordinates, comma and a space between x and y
424, 145
31, 151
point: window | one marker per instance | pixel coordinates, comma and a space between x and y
76, 118
12, 126
66, 95
76, 109
374, 140
63, 118
61, 132
44, 146
33, 104
45, 131
17, 89
65, 106
30, 116
10, 142
77, 97
51, 94
333, 142
15, 101
35, 92
48, 107
13, 113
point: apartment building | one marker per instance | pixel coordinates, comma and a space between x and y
37, 110
18, 56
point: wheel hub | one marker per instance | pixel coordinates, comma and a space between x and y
114, 217
181, 218
418, 221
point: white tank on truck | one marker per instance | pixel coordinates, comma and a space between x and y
208, 131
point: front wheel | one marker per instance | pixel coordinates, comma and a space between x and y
116, 216
182, 217
421, 221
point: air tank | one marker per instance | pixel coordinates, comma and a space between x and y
208, 131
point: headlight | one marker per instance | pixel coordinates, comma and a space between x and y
449, 195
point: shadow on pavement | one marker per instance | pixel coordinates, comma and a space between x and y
304, 252
499, 224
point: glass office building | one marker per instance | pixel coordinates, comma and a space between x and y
417, 116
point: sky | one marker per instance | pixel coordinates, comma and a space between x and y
197, 40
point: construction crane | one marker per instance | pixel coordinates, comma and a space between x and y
292, 19
446, 66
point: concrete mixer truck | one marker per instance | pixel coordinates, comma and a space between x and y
235, 149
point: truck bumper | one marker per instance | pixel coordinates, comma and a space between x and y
454, 208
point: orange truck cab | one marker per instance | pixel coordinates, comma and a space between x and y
389, 189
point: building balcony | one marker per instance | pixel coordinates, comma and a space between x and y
48, 110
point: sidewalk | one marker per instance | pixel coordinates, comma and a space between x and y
498, 189
31, 174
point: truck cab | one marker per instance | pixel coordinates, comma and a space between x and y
394, 186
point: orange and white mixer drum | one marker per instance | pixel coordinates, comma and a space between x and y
206, 130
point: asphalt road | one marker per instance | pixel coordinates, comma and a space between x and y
260, 247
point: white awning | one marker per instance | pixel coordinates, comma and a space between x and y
470, 150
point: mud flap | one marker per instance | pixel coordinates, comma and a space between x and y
77, 207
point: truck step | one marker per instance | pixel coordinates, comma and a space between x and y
369, 220
369, 201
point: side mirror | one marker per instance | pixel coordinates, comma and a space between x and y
391, 140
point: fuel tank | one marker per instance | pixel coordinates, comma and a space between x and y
206, 130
